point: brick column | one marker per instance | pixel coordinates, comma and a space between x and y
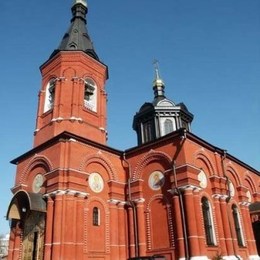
191, 221
226, 225
18, 242
68, 249
122, 231
48, 229
114, 227
141, 227
80, 225
11, 244
220, 227
180, 244
57, 225
14, 251
57, 99
76, 86
131, 232
199, 222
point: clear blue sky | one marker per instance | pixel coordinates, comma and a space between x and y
209, 53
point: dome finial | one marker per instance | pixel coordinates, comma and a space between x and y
83, 2
158, 84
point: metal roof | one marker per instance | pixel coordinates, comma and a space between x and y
77, 37
28, 201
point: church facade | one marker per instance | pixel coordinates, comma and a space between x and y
174, 196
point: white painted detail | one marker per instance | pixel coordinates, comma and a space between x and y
83, 2
231, 189
254, 257
96, 182
202, 178
156, 180
195, 258
231, 257
166, 103
248, 194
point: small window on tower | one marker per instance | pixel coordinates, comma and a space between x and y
148, 132
168, 126
96, 216
50, 95
90, 95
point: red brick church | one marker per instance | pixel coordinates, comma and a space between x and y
174, 196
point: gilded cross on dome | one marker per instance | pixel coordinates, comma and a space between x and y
156, 66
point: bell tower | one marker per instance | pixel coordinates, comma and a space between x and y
67, 189
73, 97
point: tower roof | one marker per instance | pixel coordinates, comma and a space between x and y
77, 37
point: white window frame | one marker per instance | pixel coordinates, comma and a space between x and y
49, 97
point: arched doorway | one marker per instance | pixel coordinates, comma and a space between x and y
27, 212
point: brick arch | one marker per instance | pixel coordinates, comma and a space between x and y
36, 161
95, 79
206, 195
69, 72
251, 183
233, 172
100, 200
210, 199
148, 158
47, 80
90, 76
155, 197
202, 156
105, 162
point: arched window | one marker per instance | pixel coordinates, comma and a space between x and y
96, 216
208, 222
238, 227
168, 126
50, 95
90, 95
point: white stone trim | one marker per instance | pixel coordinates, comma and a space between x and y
116, 202
71, 119
254, 257
195, 258
232, 257
189, 187
68, 191
140, 200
